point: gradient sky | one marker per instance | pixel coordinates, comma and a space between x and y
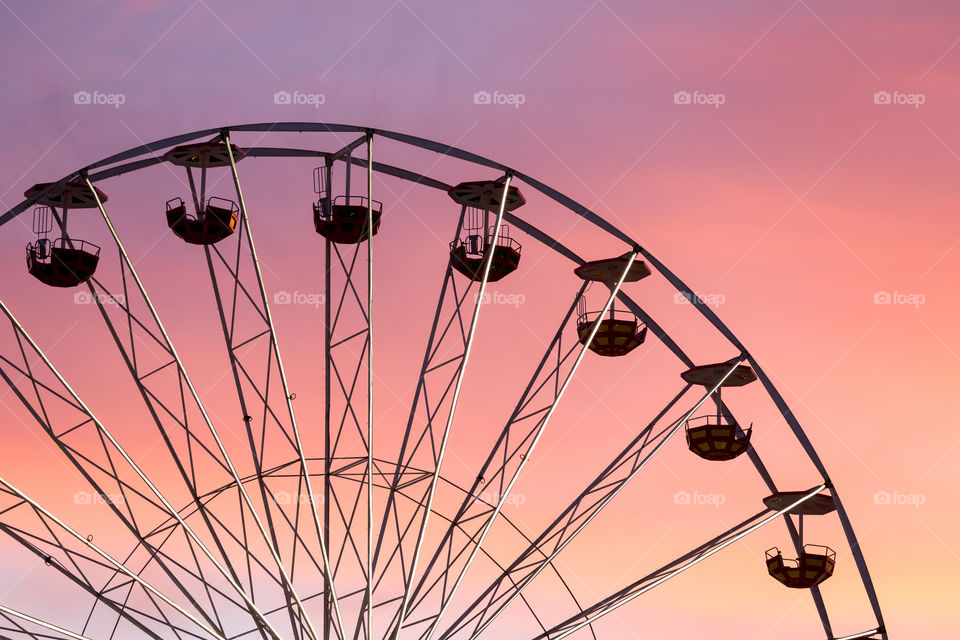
795, 196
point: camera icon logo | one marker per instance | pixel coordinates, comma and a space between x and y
82, 297
282, 297
882, 97
881, 497
682, 97
882, 297
681, 497
81, 97
482, 97
282, 97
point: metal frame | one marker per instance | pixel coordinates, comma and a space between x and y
461, 370
224, 457
405, 475
675, 567
9, 613
489, 472
48, 517
252, 297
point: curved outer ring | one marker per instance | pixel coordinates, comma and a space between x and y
109, 167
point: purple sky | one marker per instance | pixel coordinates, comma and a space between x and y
814, 168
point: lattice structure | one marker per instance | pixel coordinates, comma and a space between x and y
271, 539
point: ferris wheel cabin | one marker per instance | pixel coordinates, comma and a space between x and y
619, 332
482, 201
814, 563
343, 219
61, 261
812, 566
216, 222
218, 219
712, 436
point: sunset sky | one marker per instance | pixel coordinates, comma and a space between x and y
795, 162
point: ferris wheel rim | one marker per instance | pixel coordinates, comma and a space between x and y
317, 127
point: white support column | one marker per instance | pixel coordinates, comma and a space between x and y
370, 524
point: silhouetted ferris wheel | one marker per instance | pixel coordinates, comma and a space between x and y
278, 540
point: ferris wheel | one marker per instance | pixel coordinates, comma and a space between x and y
268, 525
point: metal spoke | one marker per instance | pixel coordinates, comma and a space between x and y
370, 567
798, 433
264, 312
30, 543
871, 634
672, 569
46, 625
348, 342
529, 442
405, 457
461, 370
583, 509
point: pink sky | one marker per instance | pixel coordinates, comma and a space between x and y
792, 204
